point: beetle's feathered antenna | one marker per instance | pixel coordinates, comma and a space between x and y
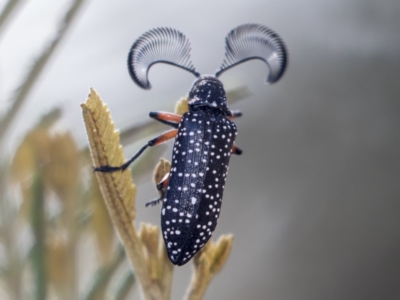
254, 41
160, 45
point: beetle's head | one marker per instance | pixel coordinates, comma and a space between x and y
208, 91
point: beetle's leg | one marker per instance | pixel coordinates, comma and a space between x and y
154, 142
161, 187
235, 114
236, 150
167, 118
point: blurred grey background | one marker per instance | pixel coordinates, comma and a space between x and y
313, 202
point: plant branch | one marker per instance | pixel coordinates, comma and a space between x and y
118, 191
33, 75
8, 9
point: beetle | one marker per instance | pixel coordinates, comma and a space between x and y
191, 193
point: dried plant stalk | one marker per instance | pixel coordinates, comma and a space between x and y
117, 187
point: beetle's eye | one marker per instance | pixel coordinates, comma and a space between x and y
160, 45
254, 41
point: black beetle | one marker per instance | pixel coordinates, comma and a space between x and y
205, 135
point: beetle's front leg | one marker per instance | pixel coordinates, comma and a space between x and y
154, 142
167, 118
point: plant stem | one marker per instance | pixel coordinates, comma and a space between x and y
8, 9
33, 75
38, 228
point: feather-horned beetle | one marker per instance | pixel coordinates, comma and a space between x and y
191, 193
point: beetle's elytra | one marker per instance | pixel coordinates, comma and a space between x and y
191, 194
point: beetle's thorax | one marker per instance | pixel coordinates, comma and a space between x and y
208, 93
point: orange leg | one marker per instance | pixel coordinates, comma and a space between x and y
154, 142
235, 114
166, 118
236, 150
163, 137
